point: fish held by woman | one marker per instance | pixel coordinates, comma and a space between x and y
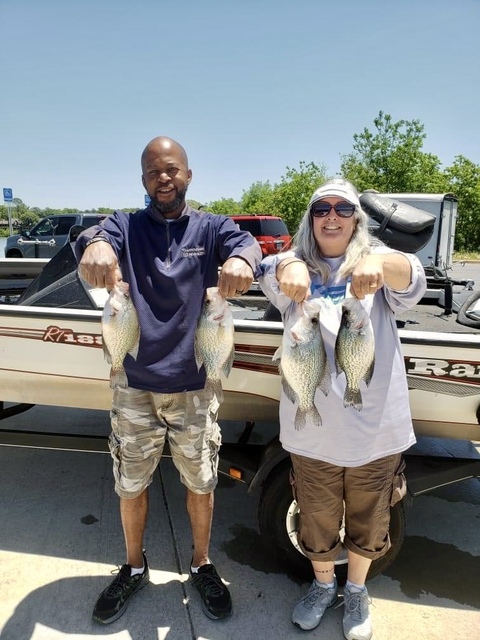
304, 366
355, 351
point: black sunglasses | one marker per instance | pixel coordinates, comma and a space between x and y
342, 209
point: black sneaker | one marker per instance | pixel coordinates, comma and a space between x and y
216, 599
113, 601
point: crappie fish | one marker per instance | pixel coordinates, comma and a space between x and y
355, 351
214, 340
120, 332
303, 363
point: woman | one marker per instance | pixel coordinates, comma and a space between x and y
352, 459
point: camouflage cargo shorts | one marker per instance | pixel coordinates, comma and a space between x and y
142, 421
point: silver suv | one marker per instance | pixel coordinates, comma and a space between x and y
49, 235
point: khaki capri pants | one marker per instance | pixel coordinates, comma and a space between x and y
324, 492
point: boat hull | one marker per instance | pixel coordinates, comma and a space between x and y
54, 357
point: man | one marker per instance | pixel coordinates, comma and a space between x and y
169, 254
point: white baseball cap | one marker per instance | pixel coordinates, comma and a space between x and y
336, 188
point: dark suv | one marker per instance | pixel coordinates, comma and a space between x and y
49, 235
270, 231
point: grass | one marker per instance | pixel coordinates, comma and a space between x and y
460, 256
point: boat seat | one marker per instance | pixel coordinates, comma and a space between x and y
399, 225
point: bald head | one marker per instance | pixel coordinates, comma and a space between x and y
165, 175
162, 145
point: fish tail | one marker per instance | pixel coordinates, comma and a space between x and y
228, 364
312, 415
214, 387
118, 378
300, 419
353, 398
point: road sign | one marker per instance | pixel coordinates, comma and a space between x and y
8, 195
147, 200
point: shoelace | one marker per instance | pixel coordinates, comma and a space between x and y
312, 596
118, 585
355, 604
212, 585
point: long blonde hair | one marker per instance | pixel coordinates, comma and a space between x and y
360, 244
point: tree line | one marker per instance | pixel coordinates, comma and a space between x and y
389, 157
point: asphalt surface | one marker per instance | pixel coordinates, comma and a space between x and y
60, 538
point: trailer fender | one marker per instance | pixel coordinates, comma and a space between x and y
273, 455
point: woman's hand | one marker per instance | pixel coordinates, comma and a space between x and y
367, 277
294, 279
375, 270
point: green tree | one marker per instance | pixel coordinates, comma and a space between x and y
463, 179
291, 196
225, 206
195, 204
258, 199
391, 159
22, 213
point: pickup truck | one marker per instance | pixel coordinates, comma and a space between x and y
51, 354
49, 235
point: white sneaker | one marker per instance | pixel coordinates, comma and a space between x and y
357, 624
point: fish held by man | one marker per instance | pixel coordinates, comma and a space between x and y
214, 340
355, 351
120, 332
304, 366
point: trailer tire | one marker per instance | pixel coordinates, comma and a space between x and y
276, 508
462, 317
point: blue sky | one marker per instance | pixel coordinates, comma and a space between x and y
248, 87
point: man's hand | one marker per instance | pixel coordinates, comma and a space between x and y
235, 278
99, 266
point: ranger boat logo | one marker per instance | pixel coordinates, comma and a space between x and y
451, 377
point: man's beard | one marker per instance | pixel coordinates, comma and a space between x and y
168, 207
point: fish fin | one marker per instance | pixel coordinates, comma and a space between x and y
228, 364
326, 380
106, 353
289, 392
118, 379
134, 351
198, 356
371, 368
338, 366
215, 388
278, 354
353, 398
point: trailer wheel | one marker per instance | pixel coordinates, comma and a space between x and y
278, 523
462, 317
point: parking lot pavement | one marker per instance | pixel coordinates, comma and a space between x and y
60, 537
